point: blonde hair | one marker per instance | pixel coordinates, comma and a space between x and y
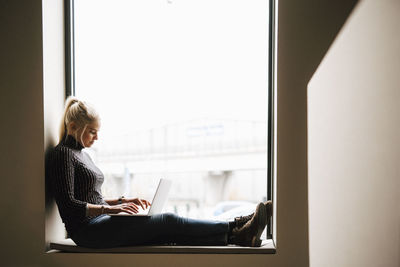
78, 112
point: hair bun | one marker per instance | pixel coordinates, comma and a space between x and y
82, 114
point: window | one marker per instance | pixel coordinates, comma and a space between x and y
184, 90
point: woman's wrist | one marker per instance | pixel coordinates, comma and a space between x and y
95, 210
114, 201
105, 209
121, 200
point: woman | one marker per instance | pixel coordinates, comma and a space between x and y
77, 184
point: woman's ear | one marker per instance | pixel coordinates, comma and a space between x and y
72, 127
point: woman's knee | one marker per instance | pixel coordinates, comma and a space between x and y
170, 218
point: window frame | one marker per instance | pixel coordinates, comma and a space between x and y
70, 88
69, 24
271, 110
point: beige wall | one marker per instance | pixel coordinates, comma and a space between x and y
21, 142
306, 30
354, 145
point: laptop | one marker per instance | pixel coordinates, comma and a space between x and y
158, 202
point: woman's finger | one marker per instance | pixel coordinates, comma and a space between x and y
127, 211
141, 204
135, 210
137, 201
132, 207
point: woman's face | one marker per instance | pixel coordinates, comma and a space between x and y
90, 134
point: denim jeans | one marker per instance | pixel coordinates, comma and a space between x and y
167, 228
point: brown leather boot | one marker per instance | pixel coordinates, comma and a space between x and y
249, 234
242, 220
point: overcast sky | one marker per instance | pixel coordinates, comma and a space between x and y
147, 63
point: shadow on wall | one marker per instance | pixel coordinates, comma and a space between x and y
49, 198
54, 227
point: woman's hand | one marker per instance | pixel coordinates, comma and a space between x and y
130, 208
139, 202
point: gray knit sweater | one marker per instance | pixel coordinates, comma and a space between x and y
75, 182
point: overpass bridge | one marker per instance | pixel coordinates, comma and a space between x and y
197, 145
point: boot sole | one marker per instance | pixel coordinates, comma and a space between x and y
262, 222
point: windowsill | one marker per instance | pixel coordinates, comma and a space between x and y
68, 245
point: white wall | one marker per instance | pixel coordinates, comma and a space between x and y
53, 97
354, 143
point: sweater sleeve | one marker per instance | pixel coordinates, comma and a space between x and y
62, 172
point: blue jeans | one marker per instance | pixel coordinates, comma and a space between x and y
167, 228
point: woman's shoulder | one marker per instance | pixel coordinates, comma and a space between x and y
61, 151
57, 158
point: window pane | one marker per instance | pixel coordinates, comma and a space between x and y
181, 87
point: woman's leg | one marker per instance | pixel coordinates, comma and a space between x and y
108, 231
